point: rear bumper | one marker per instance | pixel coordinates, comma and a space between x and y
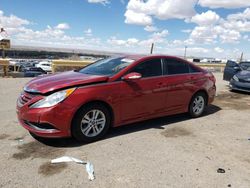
211, 94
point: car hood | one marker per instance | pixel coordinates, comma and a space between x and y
50, 83
243, 74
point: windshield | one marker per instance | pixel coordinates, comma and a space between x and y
245, 65
107, 67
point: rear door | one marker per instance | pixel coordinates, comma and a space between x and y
179, 84
230, 70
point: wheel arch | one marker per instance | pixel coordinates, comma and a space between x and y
99, 102
200, 91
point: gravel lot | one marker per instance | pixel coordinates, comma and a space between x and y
168, 152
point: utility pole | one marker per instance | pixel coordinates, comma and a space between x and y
3, 53
241, 57
152, 48
185, 52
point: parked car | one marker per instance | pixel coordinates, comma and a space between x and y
45, 65
238, 75
113, 92
24, 66
33, 71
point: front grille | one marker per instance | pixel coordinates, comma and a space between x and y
244, 81
24, 98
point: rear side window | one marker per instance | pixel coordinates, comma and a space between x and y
175, 66
149, 68
193, 69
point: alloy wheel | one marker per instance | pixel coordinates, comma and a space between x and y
93, 123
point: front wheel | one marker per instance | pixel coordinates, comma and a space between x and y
91, 123
197, 105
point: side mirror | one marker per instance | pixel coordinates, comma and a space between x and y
132, 76
237, 68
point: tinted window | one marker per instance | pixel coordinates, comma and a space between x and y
231, 63
149, 68
175, 66
245, 65
193, 69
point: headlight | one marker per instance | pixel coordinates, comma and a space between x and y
53, 99
235, 78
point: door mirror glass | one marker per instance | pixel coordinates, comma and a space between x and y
237, 68
132, 76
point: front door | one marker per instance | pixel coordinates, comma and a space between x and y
146, 96
230, 70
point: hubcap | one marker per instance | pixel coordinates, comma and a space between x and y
198, 105
93, 123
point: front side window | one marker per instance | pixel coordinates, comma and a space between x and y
175, 66
149, 68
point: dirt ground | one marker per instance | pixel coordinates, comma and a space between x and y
172, 151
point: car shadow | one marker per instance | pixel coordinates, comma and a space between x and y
158, 123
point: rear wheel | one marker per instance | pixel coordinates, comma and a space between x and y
197, 105
91, 123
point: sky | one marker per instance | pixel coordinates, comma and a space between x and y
207, 28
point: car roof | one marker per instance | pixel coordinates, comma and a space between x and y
138, 57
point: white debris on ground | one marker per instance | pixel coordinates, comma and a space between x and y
89, 166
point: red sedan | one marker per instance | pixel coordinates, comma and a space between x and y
113, 92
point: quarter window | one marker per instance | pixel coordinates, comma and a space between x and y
149, 68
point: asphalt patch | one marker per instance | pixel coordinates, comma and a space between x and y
37, 150
48, 169
4, 136
176, 132
232, 100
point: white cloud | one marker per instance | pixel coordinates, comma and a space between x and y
62, 26
137, 18
230, 4
230, 36
158, 36
241, 15
206, 18
129, 42
203, 34
218, 50
239, 21
150, 28
141, 12
20, 34
88, 32
186, 30
104, 2
211, 28
12, 21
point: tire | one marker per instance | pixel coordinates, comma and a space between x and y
197, 105
91, 123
